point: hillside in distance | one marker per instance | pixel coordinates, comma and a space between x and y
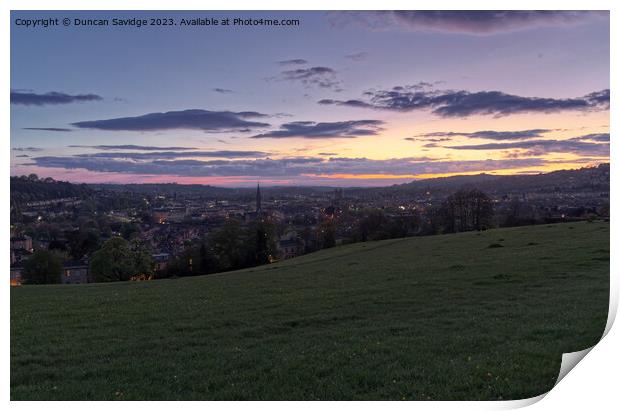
477, 315
24, 189
583, 179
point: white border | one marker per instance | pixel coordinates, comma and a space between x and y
593, 384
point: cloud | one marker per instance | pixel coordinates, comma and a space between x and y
490, 134
601, 137
357, 56
350, 103
539, 147
323, 77
292, 62
222, 90
338, 129
33, 149
65, 130
599, 97
472, 22
22, 155
155, 155
462, 103
434, 140
328, 154
301, 167
32, 99
133, 147
173, 120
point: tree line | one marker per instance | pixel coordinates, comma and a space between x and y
231, 247
32, 188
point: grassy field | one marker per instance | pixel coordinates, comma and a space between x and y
465, 316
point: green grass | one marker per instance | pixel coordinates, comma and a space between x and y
466, 316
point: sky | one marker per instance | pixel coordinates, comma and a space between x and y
341, 99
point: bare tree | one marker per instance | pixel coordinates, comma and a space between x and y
466, 210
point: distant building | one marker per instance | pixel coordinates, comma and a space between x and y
290, 246
258, 200
21, 243
16, 274
258, 214
161, 261
289, 249
75, 272
337, 196
18, 255
161, 215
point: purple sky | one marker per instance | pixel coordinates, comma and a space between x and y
360, 98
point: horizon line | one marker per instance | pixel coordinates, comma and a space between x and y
330, 186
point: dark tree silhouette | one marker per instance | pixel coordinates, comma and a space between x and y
118, 260
466, 210
43, 267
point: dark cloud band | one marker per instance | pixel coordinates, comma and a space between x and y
338, 129
488, 134
173, 120
292, 62
539, 147
157, 155
462, 103
323, 77
600, 137
56, 129
473, 22
133, 147
51, 98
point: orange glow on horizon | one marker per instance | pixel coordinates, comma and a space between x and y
362, 176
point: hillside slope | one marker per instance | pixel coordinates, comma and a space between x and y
464, 316
578, 180
24, 190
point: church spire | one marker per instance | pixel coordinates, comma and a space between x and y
258, 198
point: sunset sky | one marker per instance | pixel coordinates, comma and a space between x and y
364, 98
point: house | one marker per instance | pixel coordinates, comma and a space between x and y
19, 255
160, 215
21, 243
16, 274
161, 261
75, 272
289, 248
